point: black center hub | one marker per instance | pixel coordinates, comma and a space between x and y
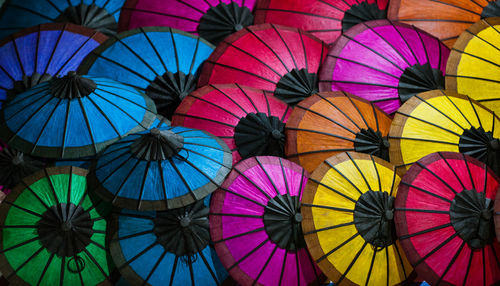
223, 20
481, 145
169, 90
491, 10
65, 230
258, 134
419, 78
362, 12
372, 142
471, 215
183, 231
282, 222
90, 16
296, 85
373, 218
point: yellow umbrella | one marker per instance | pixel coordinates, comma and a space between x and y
440, 121
474, 64
348, 225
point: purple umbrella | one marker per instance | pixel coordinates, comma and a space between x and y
385, 62
213, 20
255, 224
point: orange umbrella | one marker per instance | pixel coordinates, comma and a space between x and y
328, 123
445, 19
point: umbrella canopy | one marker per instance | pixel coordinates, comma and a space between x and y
98, 15
166, 248
74, 116
212, 20
162, 168
37, 54
385, 62
328, 123
438, 121
444, 220
446, 19
348, 222
255, 224
497, 215
54, 231
474, 64
324, 19
250, 121
278, 59
159, 61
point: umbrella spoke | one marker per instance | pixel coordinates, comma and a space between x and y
343, 176
452, 170
243, 197
327, 118
253, 56
426, 191
143, 183
421, 210
26, 262
425, 231
237, 215
437, 248
267, 175
241, 70
209, 268
179, 174
371, 268
4, 250
337, 248
352, 263
248, 254
142, 252
328, 207
401, 260
453, 259
265, 265
283, 268
240, 235
329, 228
174, 267
359, 171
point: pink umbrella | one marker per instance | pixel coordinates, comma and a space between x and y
385, 62
213, 20
250, 121
255, 224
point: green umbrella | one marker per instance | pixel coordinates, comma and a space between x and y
54, 231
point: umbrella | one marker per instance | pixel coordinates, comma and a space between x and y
437, 121
348, 221
255, 224
162, 168
159, 61
99, 15
324, 19
278, 59
40, 53
446, 19
385, 62
212, 20
54, 231
73, 116
250, 121
444, 220
166, 248
328, 123
474, 65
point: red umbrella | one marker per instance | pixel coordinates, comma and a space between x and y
497, 215
250, 121
278, 59
325, 19
444, 220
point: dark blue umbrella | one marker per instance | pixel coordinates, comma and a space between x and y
101, 15
166, 248
40, 53
164, 168
74, 116
160, 61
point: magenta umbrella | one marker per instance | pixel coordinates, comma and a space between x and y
213, 20
255, 224
385, 62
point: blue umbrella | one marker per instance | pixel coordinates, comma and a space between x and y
101, 15
74, 116
164, 168
86, 161
160, 61
40, 53
166, 248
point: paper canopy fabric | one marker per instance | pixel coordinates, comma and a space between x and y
211, 20
74, 116
101, 15
474, 64
278, 59
37, 54
160, 61
250, 121
324, 19
385, 62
